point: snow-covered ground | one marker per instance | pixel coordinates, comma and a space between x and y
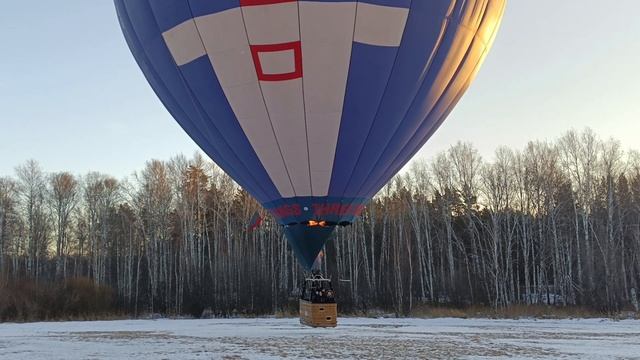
356, 338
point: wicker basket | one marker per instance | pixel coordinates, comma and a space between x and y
318, 315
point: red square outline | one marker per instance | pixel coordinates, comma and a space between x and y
296, 46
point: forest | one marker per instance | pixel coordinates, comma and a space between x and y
556, 223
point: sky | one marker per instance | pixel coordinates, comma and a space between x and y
73, 98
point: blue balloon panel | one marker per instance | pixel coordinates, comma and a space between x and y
311, 106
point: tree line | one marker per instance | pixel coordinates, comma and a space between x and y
556, 223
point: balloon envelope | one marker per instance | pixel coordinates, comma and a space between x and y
311, 106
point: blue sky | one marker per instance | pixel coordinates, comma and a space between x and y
72, 97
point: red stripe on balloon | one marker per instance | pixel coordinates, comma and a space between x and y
296, 46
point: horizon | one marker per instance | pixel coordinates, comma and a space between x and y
629, 154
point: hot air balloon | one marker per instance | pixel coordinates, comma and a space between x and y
311, 106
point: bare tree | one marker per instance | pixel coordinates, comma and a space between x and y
101, 195
8, 220
467, 164
498, 190
63, 197
32, 189
555, 223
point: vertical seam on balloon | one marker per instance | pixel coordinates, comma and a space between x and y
199, 105
160, 80
482, 9
428, 65
457, 98
249, 176
386, 86
264, 101
304, 103
431, 131
464, 2
450, 107
372, 185
344, 100
249, 173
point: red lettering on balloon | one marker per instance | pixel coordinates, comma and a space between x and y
320, 210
